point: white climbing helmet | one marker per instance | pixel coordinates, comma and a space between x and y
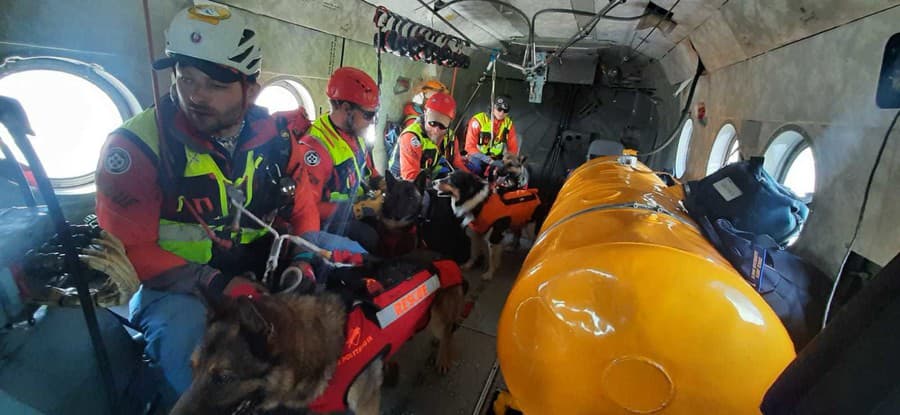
212, 33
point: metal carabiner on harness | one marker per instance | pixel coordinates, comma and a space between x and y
237, 197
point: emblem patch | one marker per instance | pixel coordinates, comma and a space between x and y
118, 161
312, 158
415, 142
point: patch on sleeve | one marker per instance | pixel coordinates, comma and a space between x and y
476, 125
118, 161
415, 142
312, 158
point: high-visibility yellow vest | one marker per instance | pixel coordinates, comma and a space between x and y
485, 145
188, 239
431, 153
349, 169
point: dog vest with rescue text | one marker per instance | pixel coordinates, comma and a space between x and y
403, 310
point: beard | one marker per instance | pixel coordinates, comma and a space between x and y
435, 136
211, 121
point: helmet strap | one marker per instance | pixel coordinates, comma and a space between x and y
351, 118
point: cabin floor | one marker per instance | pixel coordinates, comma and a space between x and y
48, 368
421, 390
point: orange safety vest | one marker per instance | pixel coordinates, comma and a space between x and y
518, 205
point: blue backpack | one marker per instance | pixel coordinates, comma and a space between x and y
795, 289
749, 198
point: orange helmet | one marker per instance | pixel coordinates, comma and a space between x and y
352, 85
434, 85
442, 103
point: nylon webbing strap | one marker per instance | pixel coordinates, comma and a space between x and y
493, 85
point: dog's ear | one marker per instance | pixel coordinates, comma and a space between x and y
420, 180
256, 330
390, 179
251, 319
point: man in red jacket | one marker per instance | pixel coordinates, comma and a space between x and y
335, 156
416, 108
167, 176
428, 144
486, 144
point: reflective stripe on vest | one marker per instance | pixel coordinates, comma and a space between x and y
429, 161
323, 130
189, 240
201, 164
485, 146
402, 305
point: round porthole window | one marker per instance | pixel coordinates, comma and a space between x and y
285, 95
684, 147
790, 159
72, 106
725, 150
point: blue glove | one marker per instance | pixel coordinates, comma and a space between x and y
475, 165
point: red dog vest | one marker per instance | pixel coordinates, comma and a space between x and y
403, 310
518, 205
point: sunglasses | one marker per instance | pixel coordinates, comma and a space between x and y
437, 124
368, 115
502, 109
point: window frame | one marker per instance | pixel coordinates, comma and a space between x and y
298, 89
720, 150
684, 156
794, 148
122, 97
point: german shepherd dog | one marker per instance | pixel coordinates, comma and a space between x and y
469, 194
403, 202
280, 351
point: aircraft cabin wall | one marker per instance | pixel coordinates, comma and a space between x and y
776, 69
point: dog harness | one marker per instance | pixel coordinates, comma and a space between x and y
518, 205
378, 327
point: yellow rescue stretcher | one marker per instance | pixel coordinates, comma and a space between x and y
623, 307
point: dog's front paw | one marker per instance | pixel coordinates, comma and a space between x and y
468, 265
487, 276
443, 364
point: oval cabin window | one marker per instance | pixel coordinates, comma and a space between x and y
72, 107
684, 147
